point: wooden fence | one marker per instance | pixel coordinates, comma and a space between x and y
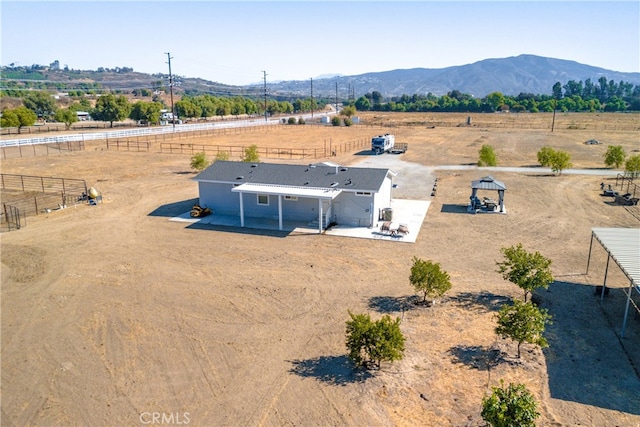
128, 145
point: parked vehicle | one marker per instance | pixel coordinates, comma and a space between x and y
382, 143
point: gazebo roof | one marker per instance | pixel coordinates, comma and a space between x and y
488, 183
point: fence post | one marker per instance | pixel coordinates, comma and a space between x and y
35, 203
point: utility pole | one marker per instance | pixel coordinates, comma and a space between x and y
265, 96
173, 114
336, 97
312, 97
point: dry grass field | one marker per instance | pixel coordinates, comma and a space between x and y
112, 313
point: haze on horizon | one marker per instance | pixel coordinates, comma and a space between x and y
234, 42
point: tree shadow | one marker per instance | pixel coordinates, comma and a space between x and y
476, 356
484, 300
332, 370
387, 304
171, 210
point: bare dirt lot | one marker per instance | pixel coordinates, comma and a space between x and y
112, 314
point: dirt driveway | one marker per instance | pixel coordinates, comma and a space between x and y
112, 314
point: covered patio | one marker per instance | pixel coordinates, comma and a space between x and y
487, 204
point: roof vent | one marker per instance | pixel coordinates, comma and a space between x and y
306, 183
240, 177
254, 165
344, 169
348, 182
334, 184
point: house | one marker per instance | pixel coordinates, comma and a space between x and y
321, 193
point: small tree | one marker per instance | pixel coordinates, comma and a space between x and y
348, 111
370, 343
335, 121
545, 155
301, 121
347, 121
199, 161
67, 116
251, 154
487, 156
632, 166
511, 406
428, 279
292, 120
614, 156
222, 155
523, 322
18, 117
560, 161
529, 271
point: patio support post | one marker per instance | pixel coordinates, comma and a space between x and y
241, 210
280, 212
319, 216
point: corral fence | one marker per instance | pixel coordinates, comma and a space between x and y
11, 218
25, 195
128, 145
41, 149
329, 149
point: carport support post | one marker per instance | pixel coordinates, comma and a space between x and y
241, 210
589, 259
626, 310
280, 211
319, 216
604, 284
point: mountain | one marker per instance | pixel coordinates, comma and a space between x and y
510, 76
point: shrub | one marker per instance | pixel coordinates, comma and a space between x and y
199, 161
292, 120
487, 156
511, 406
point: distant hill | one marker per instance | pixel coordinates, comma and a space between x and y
510, 76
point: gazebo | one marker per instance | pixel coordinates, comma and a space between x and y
487, 204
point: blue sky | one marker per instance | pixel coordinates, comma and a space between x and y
234, 42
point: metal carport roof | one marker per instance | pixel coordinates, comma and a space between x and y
623, 246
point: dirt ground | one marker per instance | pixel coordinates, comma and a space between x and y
114, 315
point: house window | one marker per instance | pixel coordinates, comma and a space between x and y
363, 193
263, 199
294, 198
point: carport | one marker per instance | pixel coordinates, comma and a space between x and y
623, 246
285, 190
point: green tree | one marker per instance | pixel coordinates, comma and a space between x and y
363, 104
560, 161
18, 117
199, 161
523, 322
513, 406
110, 108
348, 111
347, 122
41, 103
68, 116
529, 271
487, 156
251, 154
292, 120
335, 121
370, 343
222, 155
495, 99
614, 156
545, 155
428, 279
146, 112
632, 166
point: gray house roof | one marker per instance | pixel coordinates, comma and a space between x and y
315, 176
